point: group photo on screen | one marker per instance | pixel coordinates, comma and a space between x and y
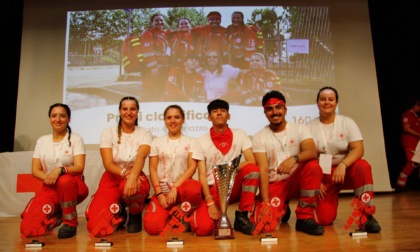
197, 54
191, 56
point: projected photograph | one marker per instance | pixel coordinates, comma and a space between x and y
191, 56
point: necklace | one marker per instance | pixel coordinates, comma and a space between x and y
128, 145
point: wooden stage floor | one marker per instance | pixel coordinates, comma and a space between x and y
398, 214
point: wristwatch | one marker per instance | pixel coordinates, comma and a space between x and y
296, 158
63, 171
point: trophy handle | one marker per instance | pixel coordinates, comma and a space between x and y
235, 162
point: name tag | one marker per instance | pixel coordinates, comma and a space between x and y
325, 161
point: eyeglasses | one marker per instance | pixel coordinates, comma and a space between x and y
212, 57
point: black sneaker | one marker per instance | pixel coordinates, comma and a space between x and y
285, 218
242, 223
372, 225
309, 226
66, 231
134, 223
147, 200
187, 225
399, 188
123, 214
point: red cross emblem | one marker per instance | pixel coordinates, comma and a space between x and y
114, 208
47, 208
186, 206
365, 197
275, 201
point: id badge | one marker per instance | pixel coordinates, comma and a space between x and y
325, 161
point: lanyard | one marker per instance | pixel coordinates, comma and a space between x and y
325, 141
129, 142
283, 142
414, 113
57, 150
168, 171
174, 151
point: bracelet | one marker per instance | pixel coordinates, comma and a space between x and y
208, 196
210, 203
156, 186
123, 172
157, 194
344, 163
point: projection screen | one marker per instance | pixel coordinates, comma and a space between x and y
72, 52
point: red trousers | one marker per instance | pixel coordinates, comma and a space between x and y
107, 203
303, 184
244, 190
358, 178
188, 198
408, 167
53, 204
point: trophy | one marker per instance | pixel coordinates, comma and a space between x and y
224, 175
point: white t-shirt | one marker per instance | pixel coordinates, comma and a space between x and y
204, 149
335, 137
125, 153
58, 154
173, 158
280, 146
217, 85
